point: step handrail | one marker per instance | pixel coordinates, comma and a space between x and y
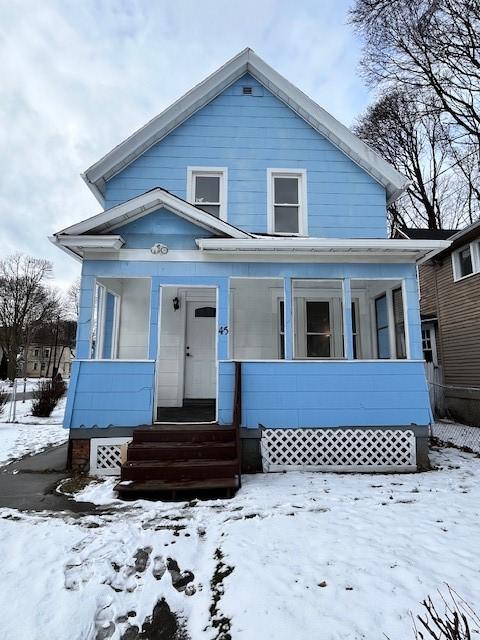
237, 415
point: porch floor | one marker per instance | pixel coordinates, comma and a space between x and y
203, 411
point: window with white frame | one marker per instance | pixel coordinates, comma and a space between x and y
286, 195
207, 189
466, 261
318, 319
378, 320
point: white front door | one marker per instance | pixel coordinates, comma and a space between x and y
200, 335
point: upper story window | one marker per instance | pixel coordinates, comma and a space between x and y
207, 189
466, 261
287, 202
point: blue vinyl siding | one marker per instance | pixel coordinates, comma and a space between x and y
327, 394
114, 393
161, 226
248, 134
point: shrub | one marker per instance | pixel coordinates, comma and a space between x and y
46, 397
454, 620
4, 395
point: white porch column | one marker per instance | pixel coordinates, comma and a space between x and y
347, 319
288, 318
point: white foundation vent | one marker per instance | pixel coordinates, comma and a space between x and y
367, 450
106, 455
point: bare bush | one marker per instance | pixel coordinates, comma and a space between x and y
453, 619
46, 397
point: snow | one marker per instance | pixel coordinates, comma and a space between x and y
29, 434
379, 544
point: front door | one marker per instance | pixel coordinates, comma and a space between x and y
200, 372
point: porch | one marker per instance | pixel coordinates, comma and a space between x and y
322, 347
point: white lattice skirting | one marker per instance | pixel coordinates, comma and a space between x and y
366, 450
105, 455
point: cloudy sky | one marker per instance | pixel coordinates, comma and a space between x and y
78, 76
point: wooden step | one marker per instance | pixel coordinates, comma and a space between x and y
153, 487
160, 451
184, 433
179, 470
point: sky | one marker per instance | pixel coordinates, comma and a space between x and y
79, 76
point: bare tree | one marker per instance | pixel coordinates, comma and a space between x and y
414, 142
73, 299
25, 302
430, 49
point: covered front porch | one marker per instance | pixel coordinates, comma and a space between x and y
322, 345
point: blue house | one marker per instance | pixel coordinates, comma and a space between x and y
240, 298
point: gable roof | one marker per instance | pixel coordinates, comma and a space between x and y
246, 61
95, 233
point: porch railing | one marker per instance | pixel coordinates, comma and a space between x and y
237, 415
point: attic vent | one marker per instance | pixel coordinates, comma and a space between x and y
247, 91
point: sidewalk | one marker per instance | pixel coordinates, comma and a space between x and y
29, 484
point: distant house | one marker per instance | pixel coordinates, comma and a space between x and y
241, 274
450, 311
43, 360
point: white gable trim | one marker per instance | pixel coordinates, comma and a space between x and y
246, 61
106, 221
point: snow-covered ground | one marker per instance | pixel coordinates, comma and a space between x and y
29, 434
293, 556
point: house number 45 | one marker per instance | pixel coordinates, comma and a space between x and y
223, 331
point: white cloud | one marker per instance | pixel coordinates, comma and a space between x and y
78, 77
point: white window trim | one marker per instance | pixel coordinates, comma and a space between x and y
301, 174
475, 254
222, 173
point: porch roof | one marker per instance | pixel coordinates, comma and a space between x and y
410, 250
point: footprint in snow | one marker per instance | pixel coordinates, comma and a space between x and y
159, 567
180, 579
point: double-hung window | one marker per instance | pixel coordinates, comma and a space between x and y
207, 190
287, 202
466, 261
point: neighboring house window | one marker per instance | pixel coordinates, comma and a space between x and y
43, 366
207, 189
286, 195
466, 261
47, 353
382, 331
427, 345
399, 321
35, 366
36, 353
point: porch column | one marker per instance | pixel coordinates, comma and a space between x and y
287, 320
223, 319
86, 312
154, 316
347, 319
